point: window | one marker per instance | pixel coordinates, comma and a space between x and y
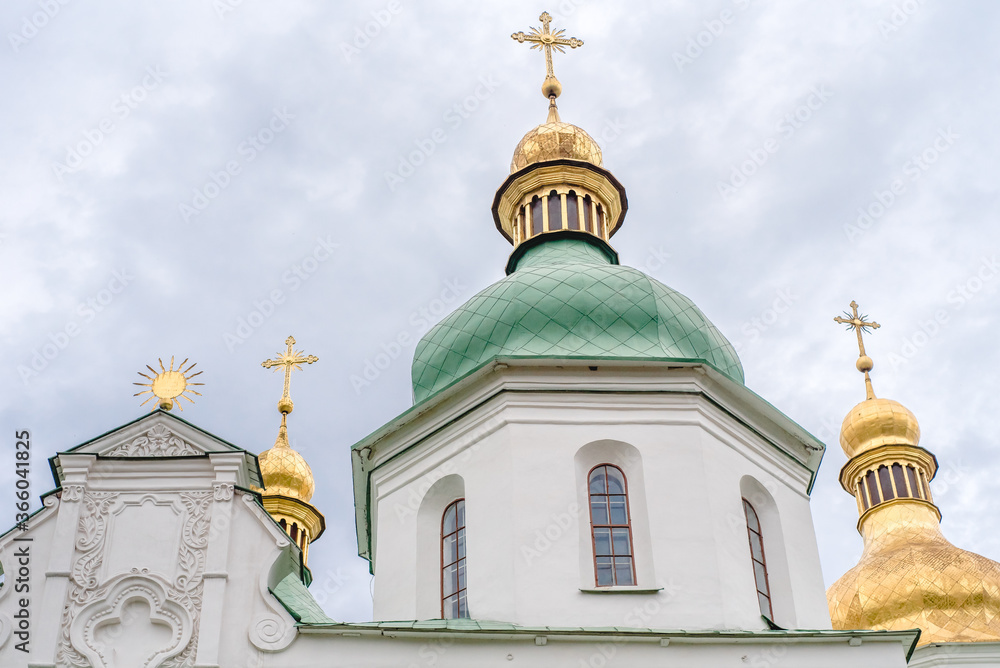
897, 477
914, 487
536, 215
453, 589
759, 563
555, 211
883, 476
572, 211
611, 527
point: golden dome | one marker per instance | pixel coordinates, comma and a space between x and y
285, 472
910, 576
876, 422
555, 140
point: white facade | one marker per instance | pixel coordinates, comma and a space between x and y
518, 442
142, 557
154, 551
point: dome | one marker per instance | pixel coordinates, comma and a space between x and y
554, 141
876, 422
910, 576
285, 472
569, 298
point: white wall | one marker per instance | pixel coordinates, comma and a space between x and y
523, 460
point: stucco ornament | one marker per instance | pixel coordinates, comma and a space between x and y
95, 604
157, 442
136, 624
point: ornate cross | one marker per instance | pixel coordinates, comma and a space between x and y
861, 326
290, 359
547, 40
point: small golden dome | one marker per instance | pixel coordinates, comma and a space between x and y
910, 576
876, 422
285, 472
555, 140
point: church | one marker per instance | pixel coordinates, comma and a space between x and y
584, 479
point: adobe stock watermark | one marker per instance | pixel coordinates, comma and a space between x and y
752, 328
364, 34
420, 321
31, 25
901, 14
59, 340
786, 127
704, 39
642, 615
329, 585
957, 298
912, 169
225, 7
21, 556
558, 526
292, 278
470, 445
121, 108
247, 151
454, 117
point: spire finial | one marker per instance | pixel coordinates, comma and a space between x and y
546, 39
860, 326
290, 359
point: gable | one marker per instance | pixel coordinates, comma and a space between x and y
158, 435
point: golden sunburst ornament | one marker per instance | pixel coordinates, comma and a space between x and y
169, 384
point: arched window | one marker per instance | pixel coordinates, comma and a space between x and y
759, 563
555, 211
611, 526
453, 600
572, 211
536, 215
588, 215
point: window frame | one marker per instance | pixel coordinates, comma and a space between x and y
461, 592
612, 527
763, 558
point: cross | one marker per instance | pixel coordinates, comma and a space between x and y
547, 40
860, 325
290, 359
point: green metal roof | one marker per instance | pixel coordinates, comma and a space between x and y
567, 296
484, 629
299, 603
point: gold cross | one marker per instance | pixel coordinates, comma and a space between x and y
290, 359
547, 40
860, 325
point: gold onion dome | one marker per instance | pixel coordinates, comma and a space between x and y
876, 422
284, 471
555, 140
909, 575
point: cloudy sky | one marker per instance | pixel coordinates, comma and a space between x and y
204, 178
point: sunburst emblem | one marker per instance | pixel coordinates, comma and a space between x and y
169, 384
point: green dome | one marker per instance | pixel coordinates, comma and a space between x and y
569, 298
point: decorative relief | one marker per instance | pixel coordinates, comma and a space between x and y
72, 492
92, 606
157, 442
136, 624
269, 632
223, 491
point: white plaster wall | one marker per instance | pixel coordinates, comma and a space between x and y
325, 650
528, 523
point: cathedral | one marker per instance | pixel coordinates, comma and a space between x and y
506, 516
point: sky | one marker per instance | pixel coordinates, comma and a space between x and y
203, 179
